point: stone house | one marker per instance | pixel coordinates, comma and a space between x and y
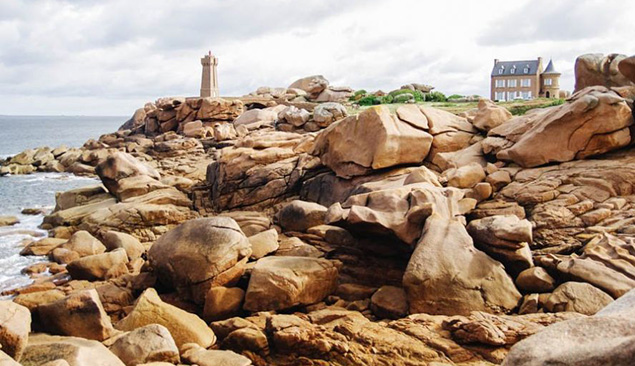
511, 80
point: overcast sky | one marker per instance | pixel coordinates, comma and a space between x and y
101, 57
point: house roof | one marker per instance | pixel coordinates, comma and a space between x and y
517, 66
550, 69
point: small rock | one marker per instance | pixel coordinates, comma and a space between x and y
282, 282
114, 240
8, 220
15, 326
99, 266
184, 327
389, 302
84, 244
301, 215
580, 297
222, 303
151, 343
535, 279
263, 243
80, 314
466, 176
194, 354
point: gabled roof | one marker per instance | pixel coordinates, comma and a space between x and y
518, 66
550, 69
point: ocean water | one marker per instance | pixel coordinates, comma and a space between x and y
37, 190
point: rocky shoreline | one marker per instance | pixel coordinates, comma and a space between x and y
225, 234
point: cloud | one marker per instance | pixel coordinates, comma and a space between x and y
548, 20
109, 57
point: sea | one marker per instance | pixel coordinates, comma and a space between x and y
37, 190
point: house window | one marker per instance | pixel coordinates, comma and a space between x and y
526, 70
511, 95
511, 83
500, 83
547, 81
500, 71
527, 95
500, 96
525, 82
513, 70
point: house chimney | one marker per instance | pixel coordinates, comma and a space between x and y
495, 61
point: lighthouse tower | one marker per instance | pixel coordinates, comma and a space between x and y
209, 81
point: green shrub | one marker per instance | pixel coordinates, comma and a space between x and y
456, 96
419, 96
403, 98
369, 100
386, 99
361, 92
557, 102
397, 92
436, 97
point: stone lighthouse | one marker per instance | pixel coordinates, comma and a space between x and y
209, 81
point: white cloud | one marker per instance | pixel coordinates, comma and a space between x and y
109, 57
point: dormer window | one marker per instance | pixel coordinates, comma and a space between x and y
513, 71
526, 70
500, 71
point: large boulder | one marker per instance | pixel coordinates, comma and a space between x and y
451, 132
200, 254
627, 68
395, 208
489, 115
151, 343
596, 69
594, 121
605, 339
119, 166
255, 118
183, 326
313, 85
80, 314
374, 139
447, 275
43, 349
279, 283
15, 326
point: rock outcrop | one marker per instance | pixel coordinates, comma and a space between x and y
596, 69
373, 140
594, 121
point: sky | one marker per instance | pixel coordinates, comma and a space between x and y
109, 57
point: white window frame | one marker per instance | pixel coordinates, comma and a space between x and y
512, 70
525, 83
499, 96
548, 82
499, 83
500, 71
512, 83
526, 70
